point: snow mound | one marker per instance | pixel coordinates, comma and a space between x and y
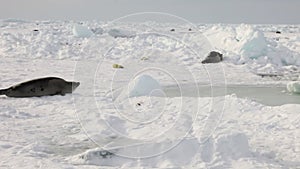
294, 87
81, 31
119, 33
144, 85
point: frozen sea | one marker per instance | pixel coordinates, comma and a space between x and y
237, 113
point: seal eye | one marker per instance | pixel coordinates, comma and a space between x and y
42, 89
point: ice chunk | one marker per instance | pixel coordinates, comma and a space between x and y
144, 85
255, 47
233, 146
81, 31
121, 33
294, 87
253, 41
98, 31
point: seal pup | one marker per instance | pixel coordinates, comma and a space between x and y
47, 86
213, 57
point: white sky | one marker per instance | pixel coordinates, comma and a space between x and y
197, 11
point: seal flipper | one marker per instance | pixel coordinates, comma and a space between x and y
3, 91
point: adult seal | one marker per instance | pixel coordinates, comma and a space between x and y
213, 57
47, 86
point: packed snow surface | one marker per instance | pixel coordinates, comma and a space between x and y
97, 127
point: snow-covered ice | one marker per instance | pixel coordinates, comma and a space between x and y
96, 127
